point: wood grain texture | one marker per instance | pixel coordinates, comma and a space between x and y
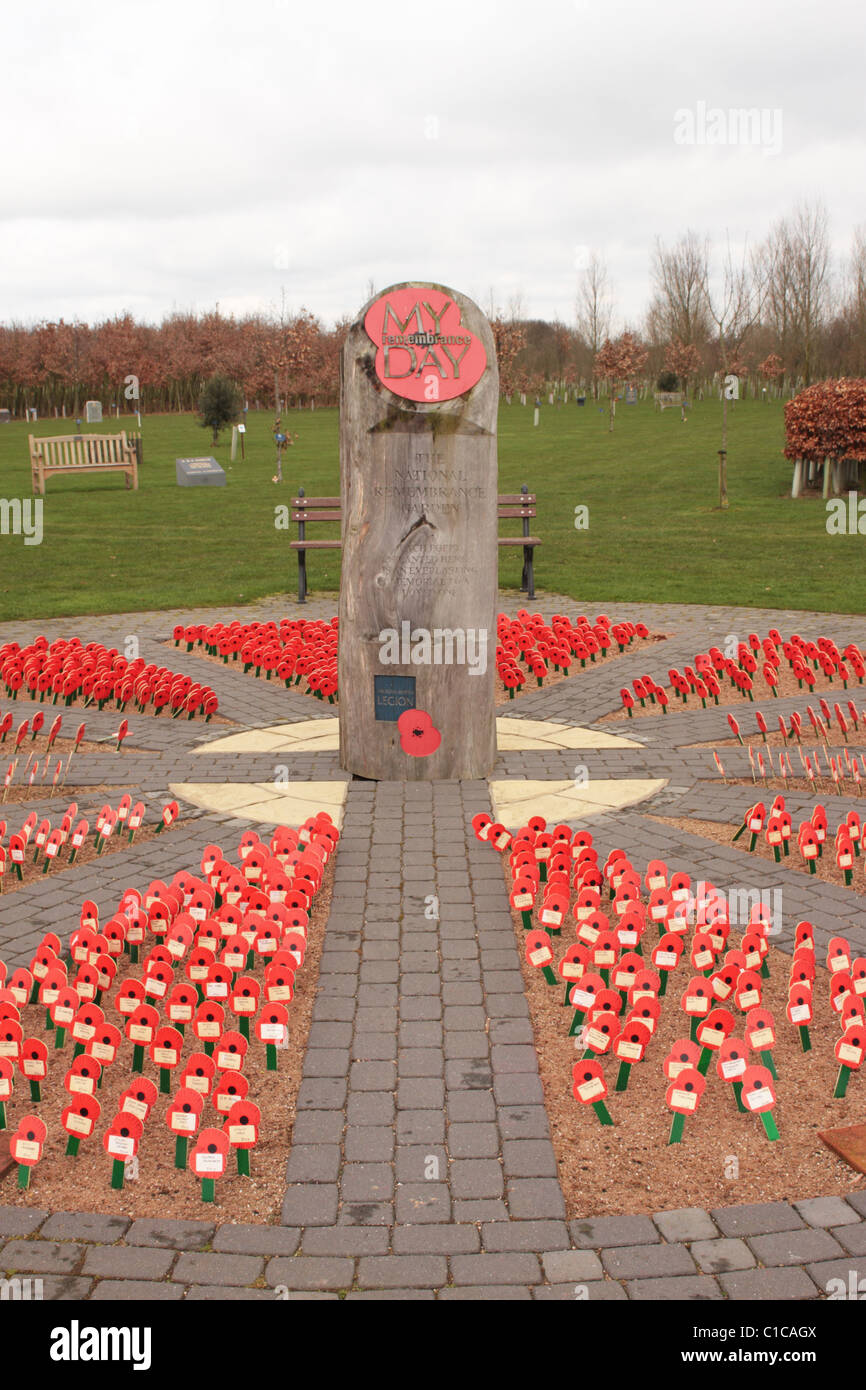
419, 500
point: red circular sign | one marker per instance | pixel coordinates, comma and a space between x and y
424, 351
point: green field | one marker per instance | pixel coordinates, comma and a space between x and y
651, 488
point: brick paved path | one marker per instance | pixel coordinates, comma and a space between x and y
422, 1164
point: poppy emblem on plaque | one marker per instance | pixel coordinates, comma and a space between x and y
424, 352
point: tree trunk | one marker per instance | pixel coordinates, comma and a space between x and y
420, 555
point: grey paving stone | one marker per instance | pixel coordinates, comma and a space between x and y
127, 1262
366, 1182
853, 1238
346, 1240
435, 1240
850, 1270
723, 1254
795, 1247
390, 1296
322, 1093
537, 1198
480, 1209
198, 1268
402, 1271
827, 1211
39, 1257
473, 1140
215, 1293
74, 1225
514, 1267
776, 1285
136, 1291
173, 1235
367, 1213
485, 1293
699, 1287
464, 1106
370, 1108
756, 1219
588, 1291
247, 1239
686, 1223
310, 1272
65, 1288
534, 1236
418, 1202
476, 1177
528, 1158
373, 1076
521, 1088
575, 1266
318, 1127
523, 1122
20, 1221
858, 1201
420, 1093
314, 1163
647, 1261
369, 1143
420, 1127
310, 1204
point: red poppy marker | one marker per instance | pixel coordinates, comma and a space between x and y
25, 1146
761, 1036
141, 1027
33, 1063
590, 1088
716, 1027
271, 1026
539, 954
242, 1129
683, 1096
165, 1050
849, 1051
630, 1046
418, 735
79, 1119
208, 1160
120, 1141
182, 1117
731, 1063
7, 1073
760, 1097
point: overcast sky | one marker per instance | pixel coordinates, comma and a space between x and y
182, 153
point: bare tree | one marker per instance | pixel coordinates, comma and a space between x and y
734, 308
795, 263
678, 310
855, 302
594, 307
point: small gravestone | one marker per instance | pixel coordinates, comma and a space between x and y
5, 417
419, 491
631, 395
201, 472
94, 412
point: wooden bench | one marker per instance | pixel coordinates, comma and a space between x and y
668, 399
83, 453
519, 505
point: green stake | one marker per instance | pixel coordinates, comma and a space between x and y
547, 972
767, 1059
208, 1049
704, 1060
59, 1038
677, 1126
117, 1168
35, 1090
271, 1054
602, 1112
805, 1039
78, 1050
527, 920
72, 1147
842, 1082
165, 1081
769, 1125
663, 984
245, 1027
738, 1095
622, 1076
693, 1029
2, 1114
138, 1057
180, 1144
207, 1190
244, 1162
23, 1175
576, 1022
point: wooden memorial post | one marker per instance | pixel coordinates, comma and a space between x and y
419, 398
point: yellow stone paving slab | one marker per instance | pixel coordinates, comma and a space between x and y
514, 802
283, 803
322, 735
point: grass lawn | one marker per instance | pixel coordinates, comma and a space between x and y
651, 489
